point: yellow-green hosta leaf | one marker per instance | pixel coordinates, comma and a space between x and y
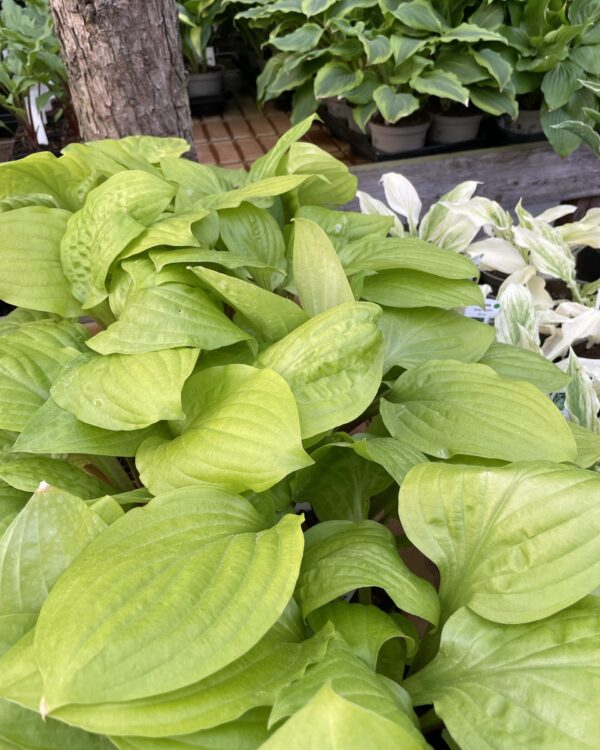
240, 432
353, 680
113, 215
166, 317
364, 627
514, 363
330, 722
333, 364
54, 430
588, 446
412, 337
408, 288
396, 457
410, 253
246, 733
345, 227
271, 316
193, 255
26, 472
514, 544
39, 545
342, 556
446, 408
31, 274
172, 231
183, 594
318, 274
336, 185
21, 729
126, 391
527, 686
253, 680
269, 188
12, 501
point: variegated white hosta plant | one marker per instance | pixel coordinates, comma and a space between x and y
530, 250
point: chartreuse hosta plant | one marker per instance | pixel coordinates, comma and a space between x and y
260, 354
384, 58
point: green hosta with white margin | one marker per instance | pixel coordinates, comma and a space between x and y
527, 251
260, 353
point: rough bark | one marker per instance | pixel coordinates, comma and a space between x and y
125, 66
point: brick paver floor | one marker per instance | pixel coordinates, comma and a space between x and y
243, 133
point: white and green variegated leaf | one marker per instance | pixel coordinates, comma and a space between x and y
467, 520
39, 545
442, 84
488, 680
166, 625
514, 363
517, 316
408, 288
581, 400
364, 627
495, 64
318, 274
394, 105
335, 79
302, 39
493, 101
167, 317
340, 483
374, 207
443, 408
341, 556
331, 722
54, 430
268, 314
469, 32
548, 252
126, 391
240, 431
113, 215
402, 197
332, 363
31, 274
412, 337
419, 15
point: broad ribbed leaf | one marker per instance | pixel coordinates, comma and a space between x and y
340, 483
442, 84
180, 599
588, 446
246, 733
407, 288
337, 185
393, 105
173, 231
352, 679
113, 215
167, 317
126, 391
26, 472
302, 39
12, 501
514, 363
384, 253
525, 686
470, 521
252, 233
270, 315
397, 458
39, 545
329, 722
332, 363
21, 729
269, 188
31, 274
364, 628
253, 680
55, 430
493, 101
419, 15
469, 32
341, 556
561, 82
495, 64
344, 227
335, 79
241, 431
318, 274
443, 408
412, 337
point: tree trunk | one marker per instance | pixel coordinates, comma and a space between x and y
125, 67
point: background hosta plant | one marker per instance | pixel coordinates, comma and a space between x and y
201, 542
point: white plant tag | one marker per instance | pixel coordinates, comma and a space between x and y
210, 57
487, 314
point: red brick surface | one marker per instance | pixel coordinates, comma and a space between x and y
243, 133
